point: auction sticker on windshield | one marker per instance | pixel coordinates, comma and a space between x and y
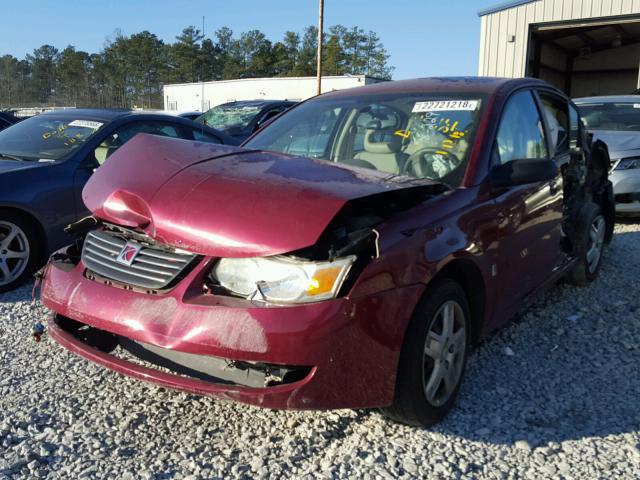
445, 105
86, 123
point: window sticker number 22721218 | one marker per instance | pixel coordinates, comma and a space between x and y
445, 105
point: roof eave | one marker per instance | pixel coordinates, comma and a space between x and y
503, 6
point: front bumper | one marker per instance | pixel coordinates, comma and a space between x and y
626, 190
351, 345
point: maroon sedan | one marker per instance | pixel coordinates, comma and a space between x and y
346, 257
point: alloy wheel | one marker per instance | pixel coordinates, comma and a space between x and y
444, 353
14, 252
596, 242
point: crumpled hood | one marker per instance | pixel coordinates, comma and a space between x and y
620, 144
227, 201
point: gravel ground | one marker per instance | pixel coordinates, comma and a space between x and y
553, 395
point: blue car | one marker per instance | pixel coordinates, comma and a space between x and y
45, 162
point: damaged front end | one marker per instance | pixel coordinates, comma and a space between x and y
206, 368
205, 294
325, 270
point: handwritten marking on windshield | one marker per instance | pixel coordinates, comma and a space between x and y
403, 133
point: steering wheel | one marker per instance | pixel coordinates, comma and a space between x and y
417, 165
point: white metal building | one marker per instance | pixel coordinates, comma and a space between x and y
202, 96
584, 47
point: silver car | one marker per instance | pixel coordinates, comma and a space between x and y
616, 121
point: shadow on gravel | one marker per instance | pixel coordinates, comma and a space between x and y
22, 294
564, 379
575, 370
628, 220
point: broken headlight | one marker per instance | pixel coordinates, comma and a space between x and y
628, 164
282, 279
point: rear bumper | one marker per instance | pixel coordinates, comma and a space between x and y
351, 345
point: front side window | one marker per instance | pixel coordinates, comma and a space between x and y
521, 133
47, 137
419, 135
270, 114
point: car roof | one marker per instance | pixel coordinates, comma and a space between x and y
109, 115
480, 85
105, 115
256, 103
608, 99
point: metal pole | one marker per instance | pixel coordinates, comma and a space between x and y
201, 75
319, 64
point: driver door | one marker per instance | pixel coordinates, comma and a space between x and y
529, 216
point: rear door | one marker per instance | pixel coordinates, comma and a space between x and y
529, 216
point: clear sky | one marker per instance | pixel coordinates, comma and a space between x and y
423, 37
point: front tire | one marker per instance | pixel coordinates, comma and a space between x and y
19, 252
433, 357
589, 247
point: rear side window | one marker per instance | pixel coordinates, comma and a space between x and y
127, 132
556, 113
521, 134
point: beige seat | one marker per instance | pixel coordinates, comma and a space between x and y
383, 150
105, 149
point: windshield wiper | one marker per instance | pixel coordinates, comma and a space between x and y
12, 157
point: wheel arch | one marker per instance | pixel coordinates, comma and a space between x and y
37, 225
469, 276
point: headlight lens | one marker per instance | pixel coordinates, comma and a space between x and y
628, 164
282, 279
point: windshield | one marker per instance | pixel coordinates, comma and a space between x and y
224, 117
46, 137
420, 135
620, 116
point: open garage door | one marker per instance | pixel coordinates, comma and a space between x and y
587, 58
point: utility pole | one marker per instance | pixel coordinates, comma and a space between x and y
201, 74
319, 64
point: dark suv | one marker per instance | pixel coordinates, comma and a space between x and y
241, 119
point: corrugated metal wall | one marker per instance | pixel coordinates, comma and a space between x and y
501, 58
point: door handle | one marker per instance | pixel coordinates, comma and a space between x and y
553, 187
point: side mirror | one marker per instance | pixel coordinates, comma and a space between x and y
521, 172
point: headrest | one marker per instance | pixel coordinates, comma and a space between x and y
382, 141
